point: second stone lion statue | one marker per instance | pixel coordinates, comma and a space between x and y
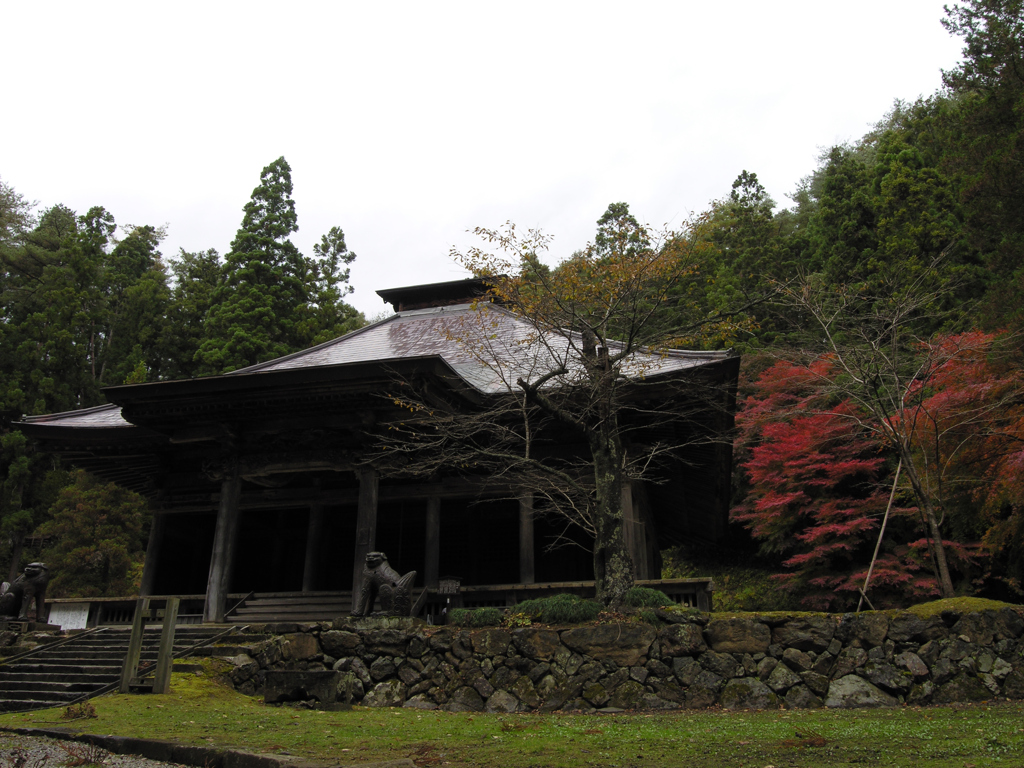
381, 580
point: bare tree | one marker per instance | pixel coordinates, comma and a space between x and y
581, 382
882, 344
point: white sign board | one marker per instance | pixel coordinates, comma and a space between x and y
69, 615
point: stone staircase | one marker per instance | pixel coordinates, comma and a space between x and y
272, 608
83, 665
277, 607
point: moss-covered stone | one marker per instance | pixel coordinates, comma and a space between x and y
737, 635
623, 644
491, 642
627, 696
747, 693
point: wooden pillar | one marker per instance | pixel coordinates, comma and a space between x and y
222, 560
153, 549
527, 574
366, 524
432, 555
313, 535
633, 533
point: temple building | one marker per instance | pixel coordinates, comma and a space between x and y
259, 479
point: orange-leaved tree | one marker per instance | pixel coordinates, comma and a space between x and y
584, 354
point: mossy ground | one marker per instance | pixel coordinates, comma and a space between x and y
200, 711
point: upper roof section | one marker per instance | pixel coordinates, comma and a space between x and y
472, 346
434, 294
489, 347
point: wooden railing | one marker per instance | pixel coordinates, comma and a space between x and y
695, 593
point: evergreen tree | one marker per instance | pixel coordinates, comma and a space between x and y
51, 307
985, 126
15, 216
751, 247
197, 277
328, 274
272, 300
137, 295
98, 542
841, 234
257, 309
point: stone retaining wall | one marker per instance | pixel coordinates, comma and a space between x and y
748, 662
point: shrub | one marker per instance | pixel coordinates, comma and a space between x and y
741, 583
476, 617
560, 609
97, 542
514, 619
645, 597
648, 616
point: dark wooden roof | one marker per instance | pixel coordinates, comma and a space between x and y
318, 403
435, 294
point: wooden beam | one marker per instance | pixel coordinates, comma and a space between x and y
313, 535
526, 547
219, 433
171, 503
366, 522
222, 559
153, 549
432, 558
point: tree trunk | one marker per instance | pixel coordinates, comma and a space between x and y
935, 544
613, 565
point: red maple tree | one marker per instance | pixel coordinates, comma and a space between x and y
969, 424
819, 484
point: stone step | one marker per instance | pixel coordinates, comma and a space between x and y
55, 677
61, 654
297, 613
274, 618
63, 669
256, 612
41, 687
337, 600
122, 638
56, 697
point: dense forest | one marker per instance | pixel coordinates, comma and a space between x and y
880, 317
87, 304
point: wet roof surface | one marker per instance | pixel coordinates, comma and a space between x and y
488, 346
99, 416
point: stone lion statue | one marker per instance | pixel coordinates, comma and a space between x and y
381, 580
29, 586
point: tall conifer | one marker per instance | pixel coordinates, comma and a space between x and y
255, 314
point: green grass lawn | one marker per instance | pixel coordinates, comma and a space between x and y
200, 711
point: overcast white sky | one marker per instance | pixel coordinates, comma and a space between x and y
406, 123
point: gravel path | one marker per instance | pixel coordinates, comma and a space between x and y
39, 752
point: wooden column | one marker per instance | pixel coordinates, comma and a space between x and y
366, 524
432, 555
153, 548
222, 560
313, 535
633, 533
527, 574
